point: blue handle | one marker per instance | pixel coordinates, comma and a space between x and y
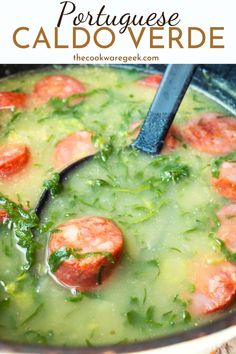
164, 107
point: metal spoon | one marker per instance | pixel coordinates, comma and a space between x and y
157, 123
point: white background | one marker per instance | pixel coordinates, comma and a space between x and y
34, 14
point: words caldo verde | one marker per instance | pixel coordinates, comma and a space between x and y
159, 30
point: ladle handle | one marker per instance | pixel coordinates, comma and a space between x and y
166, 102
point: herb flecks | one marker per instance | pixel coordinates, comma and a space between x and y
23, 222
32, 336
171, 168
72, 105
33, 314
59, 256
143, 320
216, 164
53, 185
4, 296
99, 277
9, 125
101, 183
229, 255
106, 148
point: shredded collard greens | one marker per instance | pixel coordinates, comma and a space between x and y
23, 222
59, 256
53, 184
229, 255
216, 164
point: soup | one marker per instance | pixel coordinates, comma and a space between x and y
156, 253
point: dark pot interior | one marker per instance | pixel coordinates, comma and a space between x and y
218, 81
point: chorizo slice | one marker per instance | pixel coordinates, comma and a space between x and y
225, 184
211, 133
11, 100
87, 235
60, 86
215, 288
153, 80
227, 229
72, 148
13, 158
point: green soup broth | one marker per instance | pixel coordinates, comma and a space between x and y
164, 218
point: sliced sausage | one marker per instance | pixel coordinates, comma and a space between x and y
61, 86
87, 234
13, 158
73, 147
134, 129
3, 215
170, 141
225, 184
211, 133
10, 100
153, 80
227, 229
215, 288
227, 213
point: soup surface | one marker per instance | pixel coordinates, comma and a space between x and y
176, 263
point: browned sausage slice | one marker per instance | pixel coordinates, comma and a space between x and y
227, 229
73, 147
10, 100
3, 215
61, 86
13, 159
211, 133
215, 288
226, 182
153, 80
87, 234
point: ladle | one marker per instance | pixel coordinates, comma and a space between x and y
163, 109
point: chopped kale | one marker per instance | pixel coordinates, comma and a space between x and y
23, 222
186, 316
105, 152
174, 172
154, 263
59, 256
171, 169
32, 336
4, 296
33, 314
77, 298
8, 126
230, 256
100, 183
142, 319
99, 279
82, 295
69, 107
53, 184
216, 163
18, 90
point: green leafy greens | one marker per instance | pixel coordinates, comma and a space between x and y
9, 125
4, 297
230, 256
59, 256
53, 184
171, 170
23, 222
68, 107
216, 164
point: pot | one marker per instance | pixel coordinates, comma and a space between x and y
218, 82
